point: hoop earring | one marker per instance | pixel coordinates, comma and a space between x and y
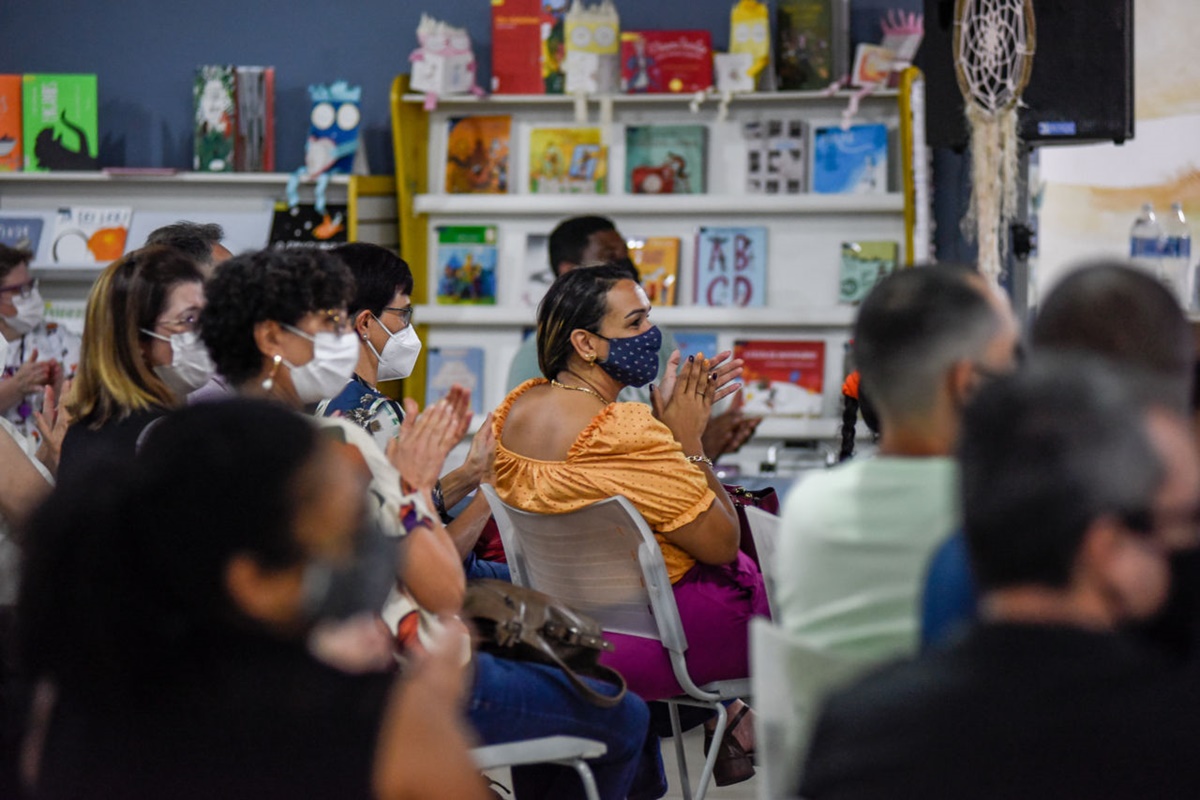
269, 382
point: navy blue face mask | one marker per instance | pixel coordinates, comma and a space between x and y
633, 360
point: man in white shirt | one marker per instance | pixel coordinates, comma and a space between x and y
856, 538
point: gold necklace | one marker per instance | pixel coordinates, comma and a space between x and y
585, 389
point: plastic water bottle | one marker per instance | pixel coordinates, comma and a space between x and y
1177, 255
1146, 241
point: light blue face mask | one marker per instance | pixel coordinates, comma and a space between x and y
633, 360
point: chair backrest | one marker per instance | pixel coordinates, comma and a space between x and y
602, 560
764, 530
792, 677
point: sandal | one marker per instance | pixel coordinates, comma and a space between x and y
734, 764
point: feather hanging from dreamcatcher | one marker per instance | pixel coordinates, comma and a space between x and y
994, 44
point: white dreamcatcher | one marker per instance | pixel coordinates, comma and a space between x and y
994, 43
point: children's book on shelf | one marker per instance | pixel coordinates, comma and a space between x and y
466, 264
812, 43
567, 161
214, 95
22, 233
60, 117
776, 155
655, 62
477, 154
695, 343
303, 226
593, 48
731, 266
864, 264
12, 154
782, 377
86, 235
448, 366
657, 261
665, 159
528, 46
254, 149
852, 161
538, 275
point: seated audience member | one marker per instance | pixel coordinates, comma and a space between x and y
563, 442
277, 327
855, 539
140, 354
40, 354
381, 312
591, 240
1112, 310
200, 241
1067, 511
177, 663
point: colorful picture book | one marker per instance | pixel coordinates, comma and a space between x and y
254, 145
804, 44
60, 117
851, 161
776, 156
477, 155
12, 154
666, 61
466, 264
863, 264
593, 48
448, 366
86, 235
782, 377
528, 46
665, 159
695, 343
234, 114
567, 161
303, 226
23, 233
657, 261
731, 266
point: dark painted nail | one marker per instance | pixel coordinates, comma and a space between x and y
691, 358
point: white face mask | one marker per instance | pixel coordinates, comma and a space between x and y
31, 310
3, 351
399, 355
190, 366
335, 355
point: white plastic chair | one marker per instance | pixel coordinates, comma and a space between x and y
570, 751
764, 530
604, 561
795, 677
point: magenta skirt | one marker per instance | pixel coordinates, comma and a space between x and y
716, 604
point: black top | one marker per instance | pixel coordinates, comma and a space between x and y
264, 720
114, 442
1011, 711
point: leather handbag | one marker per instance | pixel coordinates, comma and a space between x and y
527, 625
766, 499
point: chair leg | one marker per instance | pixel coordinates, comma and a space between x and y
680, 757
711, 760
589, 781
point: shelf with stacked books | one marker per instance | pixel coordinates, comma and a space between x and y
711, 97
508, 205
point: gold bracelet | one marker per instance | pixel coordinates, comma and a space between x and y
700, 460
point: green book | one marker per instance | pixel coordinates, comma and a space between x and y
863, 265
466, 264
62, 130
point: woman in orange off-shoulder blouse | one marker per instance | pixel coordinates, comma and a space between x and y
564, 443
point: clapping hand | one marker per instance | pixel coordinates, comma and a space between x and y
726, 369
686, 410
420, 449
52, 422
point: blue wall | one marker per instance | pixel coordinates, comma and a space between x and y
145, 54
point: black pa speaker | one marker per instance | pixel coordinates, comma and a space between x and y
1081, 88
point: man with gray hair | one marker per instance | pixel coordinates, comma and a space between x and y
855, 538
1068, 508
200, 241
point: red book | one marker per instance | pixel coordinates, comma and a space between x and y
11, 152
666, 61
782, 376
527, 46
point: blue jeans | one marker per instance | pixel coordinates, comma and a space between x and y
514, 700
476, 567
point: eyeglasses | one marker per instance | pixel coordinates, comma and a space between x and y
22, 289
185, 324
405, 314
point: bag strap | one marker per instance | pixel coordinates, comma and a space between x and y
600, 672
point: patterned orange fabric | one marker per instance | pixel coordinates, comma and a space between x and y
623, 451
